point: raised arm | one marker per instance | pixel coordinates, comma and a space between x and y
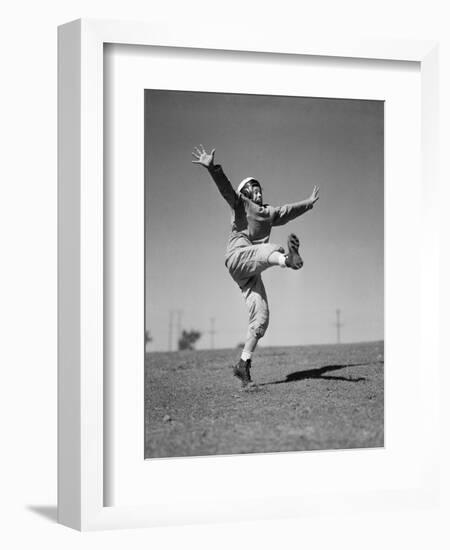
202, 158
288, 212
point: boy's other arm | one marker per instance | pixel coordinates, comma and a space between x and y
223, 184
288, 212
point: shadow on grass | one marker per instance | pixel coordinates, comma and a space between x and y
319, 373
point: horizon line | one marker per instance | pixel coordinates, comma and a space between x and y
268, 347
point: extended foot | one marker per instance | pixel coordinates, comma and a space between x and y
293, 259
242, 371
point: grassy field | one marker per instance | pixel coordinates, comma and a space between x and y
313, 397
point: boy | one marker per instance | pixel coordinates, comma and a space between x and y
249, 252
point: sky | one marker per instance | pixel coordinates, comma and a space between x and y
289, 144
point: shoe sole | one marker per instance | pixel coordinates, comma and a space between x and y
295, 261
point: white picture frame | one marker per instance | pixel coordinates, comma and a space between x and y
81, 482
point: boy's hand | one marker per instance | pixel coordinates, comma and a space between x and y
314, 196
202, 157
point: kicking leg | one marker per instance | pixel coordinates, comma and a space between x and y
292, 259
250, 261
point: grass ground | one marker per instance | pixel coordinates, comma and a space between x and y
314, 397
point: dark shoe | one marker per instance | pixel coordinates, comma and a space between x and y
293, 259
242, 371
248, 366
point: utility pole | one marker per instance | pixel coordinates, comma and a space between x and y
179, 314
338, 325
170, 329
175, 315
212, 331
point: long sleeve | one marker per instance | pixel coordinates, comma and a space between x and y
288, 212
223, 184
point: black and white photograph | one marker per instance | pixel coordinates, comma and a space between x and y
170, 392
264, 274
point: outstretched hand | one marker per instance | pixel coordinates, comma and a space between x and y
202, 157
314, 195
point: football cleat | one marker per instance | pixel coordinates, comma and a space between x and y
242, 371
293, 259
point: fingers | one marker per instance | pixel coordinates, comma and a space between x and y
200, 150
315, 194
196, 155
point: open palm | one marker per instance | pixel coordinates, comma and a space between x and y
202, 157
